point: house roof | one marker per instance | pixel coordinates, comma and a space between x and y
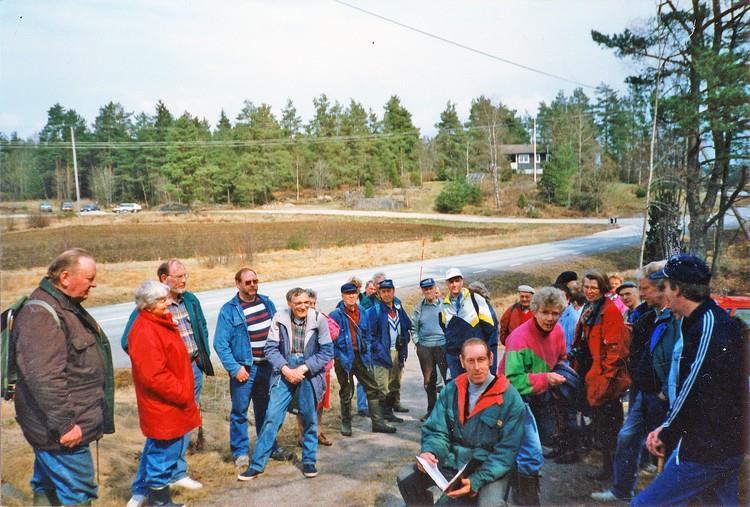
512, 149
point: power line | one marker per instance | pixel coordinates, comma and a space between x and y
464, 46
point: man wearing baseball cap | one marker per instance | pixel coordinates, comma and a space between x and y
516, 314
430, 339
631, 298
465, 315
705, 423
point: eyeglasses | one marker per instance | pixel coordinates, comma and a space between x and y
183, 276
251, 282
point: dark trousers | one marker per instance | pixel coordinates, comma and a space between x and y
544, 409
346, 380
607, 421
430, 360
414, 487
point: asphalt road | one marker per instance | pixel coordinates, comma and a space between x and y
113, 318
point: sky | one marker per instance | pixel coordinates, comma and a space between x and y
205, 56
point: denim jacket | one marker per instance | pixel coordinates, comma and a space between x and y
342, 347
231, 341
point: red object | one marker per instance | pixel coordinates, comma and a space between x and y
609, 344
736, 306
325, 402
511, 319
163, 378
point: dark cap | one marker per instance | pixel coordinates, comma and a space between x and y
684, 268
348, 288
386, 284
626, 285
427, 283
565, 277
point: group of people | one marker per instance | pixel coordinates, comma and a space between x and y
573, 352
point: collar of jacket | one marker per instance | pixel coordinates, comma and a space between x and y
284, 318
597, 310
396, 305
166, 321
491, 396
696, 317
47, 286
461, 296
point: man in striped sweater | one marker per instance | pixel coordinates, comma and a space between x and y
531, 352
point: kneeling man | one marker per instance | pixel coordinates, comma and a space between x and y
477, 417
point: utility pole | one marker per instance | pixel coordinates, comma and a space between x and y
75, 170
533, 138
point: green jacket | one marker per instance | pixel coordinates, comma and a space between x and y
491, 433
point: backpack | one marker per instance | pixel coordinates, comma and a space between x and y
8, 371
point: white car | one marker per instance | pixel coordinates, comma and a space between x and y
127, 207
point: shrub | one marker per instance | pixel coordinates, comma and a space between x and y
640, 192
369, 190
522, 201
456, 195
296, 242
587, 202
38, 221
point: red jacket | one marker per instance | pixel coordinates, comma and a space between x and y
511, 319
163, 378
608, 341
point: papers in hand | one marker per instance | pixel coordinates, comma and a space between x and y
438, 477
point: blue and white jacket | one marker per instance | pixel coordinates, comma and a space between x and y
231, 341
705, 421
342, 348
380, 336
317, 352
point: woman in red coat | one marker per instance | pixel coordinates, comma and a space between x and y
601, 349
163, 378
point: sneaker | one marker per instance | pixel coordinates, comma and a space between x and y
136, 501
607, 496
187, 483
282, 454
249, 474
242, 461
309, 470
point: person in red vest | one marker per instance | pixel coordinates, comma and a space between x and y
516, 314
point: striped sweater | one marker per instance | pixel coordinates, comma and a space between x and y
530, 354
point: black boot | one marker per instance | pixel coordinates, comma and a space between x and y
160, 498
346, 419
528, 490
568, 448
45, 498
376, 416
388, 414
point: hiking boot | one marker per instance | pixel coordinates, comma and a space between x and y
281, 454
526, 489
398, 407
346, 419
242, 461
378, 423
309, 470
552, 452
249, 474
388, 414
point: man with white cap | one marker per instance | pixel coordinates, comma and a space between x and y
465, 315
516, 314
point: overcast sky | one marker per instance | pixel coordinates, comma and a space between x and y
202, 56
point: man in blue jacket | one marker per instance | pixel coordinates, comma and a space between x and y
239, 341
389, 327
705, 423
298, 347
352, 359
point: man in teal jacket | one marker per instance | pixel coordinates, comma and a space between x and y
478, 418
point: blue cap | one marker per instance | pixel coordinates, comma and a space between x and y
684, 268
348, 288
427, 283
386, 284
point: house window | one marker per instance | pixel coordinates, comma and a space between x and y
538, 157
523, 158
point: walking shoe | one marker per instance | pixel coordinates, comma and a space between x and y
249, 474
282, 454
607, 496
242, 461
309, 470
323, 440
398, 407
136, 501
187, 483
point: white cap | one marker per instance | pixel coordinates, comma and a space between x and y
452, 273
526, 288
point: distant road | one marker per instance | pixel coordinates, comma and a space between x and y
406, 275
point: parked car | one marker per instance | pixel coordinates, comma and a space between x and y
175, 207
127, 207
736, 306
66, 206
45, 207
86, 208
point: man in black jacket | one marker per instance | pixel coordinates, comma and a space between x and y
704, 426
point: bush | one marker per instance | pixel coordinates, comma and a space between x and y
369, 190
640, 192
456, 195
38, 221
522, 201
296, 242
587, 202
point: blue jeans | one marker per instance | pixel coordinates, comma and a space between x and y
361, 398
645, 414
158, 464
255, 388
282, 393
197, 383
712, 483
69, 473
529, 459
454, 364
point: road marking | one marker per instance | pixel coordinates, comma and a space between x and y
479, 271
548, 258
516, 264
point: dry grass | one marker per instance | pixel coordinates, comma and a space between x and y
115, 281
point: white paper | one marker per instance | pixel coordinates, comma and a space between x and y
436, 475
